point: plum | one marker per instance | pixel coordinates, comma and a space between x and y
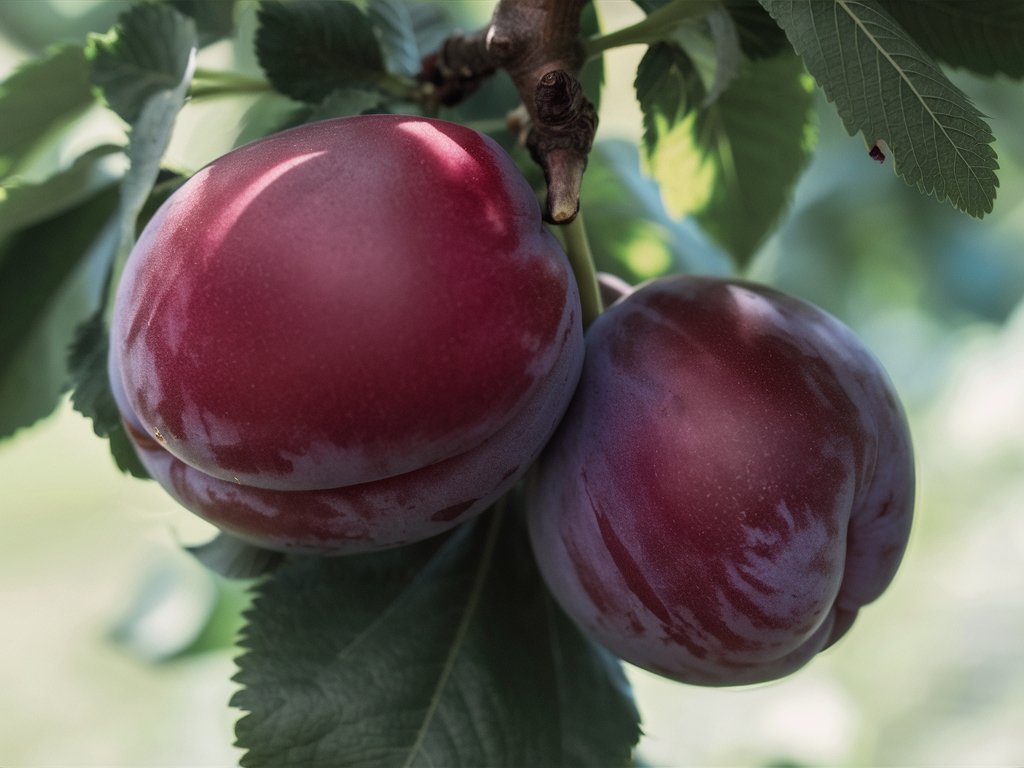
346, 336
733, 480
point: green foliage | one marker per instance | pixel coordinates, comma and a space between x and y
631, 233
48, 285
732, 162
144, 67
444, 653
396, 31
55, 238
92, 396
46, 94
755, 163
984, 36
668, 88
759, 35
23, 205
233, 558
88, 362
147, 54
885, 86
214, 19
714, 48
310, 49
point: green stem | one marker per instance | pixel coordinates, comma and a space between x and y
582, 260
399, 87
210, 83
654, 27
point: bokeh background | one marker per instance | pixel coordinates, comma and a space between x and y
115, 646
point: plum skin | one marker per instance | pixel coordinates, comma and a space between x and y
346, 336
733, 480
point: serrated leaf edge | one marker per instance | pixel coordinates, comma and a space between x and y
483, 566
844, 4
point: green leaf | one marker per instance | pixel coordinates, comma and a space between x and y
714, 47
310, 49
885, 86
449, 652
92, 396
147, 142
233, 558
397, 34
760, 37
148, 53
732, 163
22, 205
432, 23
122, 450
147, 64
348, 101
985, 36
599, 721
630, 231
52, 275
667, 87
45, 95
87, 361
270, 113
757, 139
214, 19
142, 86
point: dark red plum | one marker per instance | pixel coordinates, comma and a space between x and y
732, 482
346, 336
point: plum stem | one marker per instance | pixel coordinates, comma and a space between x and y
577, 247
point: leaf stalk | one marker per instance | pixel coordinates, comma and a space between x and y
656, 26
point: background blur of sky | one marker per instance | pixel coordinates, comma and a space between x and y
100, 655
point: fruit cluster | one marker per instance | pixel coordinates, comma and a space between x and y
358, 333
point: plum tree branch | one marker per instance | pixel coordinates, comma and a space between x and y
538, 43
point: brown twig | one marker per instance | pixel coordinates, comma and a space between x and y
538, 43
